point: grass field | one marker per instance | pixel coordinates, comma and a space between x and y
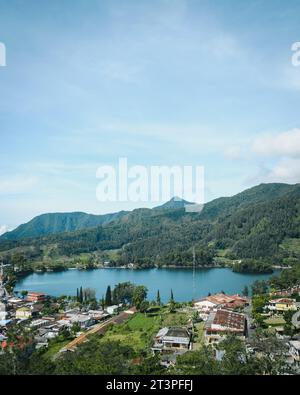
275, 321
54, 348
138, 332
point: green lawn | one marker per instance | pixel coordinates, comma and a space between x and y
54, 348
174, 319
275, 321
138, 331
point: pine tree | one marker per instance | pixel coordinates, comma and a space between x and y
81, 295
108, 298
172, 303
77, 295
172, 296
158, 300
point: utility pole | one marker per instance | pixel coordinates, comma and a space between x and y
194, 272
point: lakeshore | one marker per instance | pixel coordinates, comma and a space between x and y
184, 284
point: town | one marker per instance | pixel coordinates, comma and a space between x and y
57, 326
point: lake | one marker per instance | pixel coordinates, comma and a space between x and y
179, 280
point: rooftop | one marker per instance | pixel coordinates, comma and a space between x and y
283, 300
178, 332
226, 319
221, 298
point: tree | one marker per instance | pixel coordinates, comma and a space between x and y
172, 303
108, 297
144, 306
123, 293
272, 360
80, 295
158, 300
259, 287
195, 316
139, 295
89, 295
245, 291
94, 358
102, 302
200, 362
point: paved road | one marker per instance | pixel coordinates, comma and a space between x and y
248, 312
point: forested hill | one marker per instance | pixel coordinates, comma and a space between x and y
261, 223
51, 223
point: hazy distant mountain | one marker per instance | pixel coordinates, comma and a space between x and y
174, 203
46, 224
53, 223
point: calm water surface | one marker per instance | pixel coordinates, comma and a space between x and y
179, 280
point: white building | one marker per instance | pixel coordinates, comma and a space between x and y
112, 309
205, 305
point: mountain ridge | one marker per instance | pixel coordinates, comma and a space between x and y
59, 223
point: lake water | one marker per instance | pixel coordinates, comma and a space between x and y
179, 280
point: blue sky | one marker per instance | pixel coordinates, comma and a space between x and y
161, 82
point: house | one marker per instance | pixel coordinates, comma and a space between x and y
14, 301
222, 322
83, 320
211, 303
36, 309
175, 338
112, 309
36, 297
205, 305
282, 305
39, 323
23, 313
287, 292
97, 315
294, 349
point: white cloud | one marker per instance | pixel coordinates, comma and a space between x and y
286, 170
16, 185
3, 229
283, 144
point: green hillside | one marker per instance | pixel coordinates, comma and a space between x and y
58, 223
253, 225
